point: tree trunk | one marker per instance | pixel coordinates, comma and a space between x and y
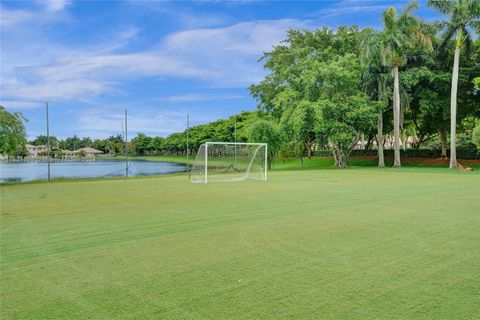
369, 143
404, 139
380, 138
396, 117
340, 158
362, 143
453, 108
334, 151
443, 139
309, 150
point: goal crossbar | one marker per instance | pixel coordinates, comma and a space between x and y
229, 161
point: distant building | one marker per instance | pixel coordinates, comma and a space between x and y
89, 152
67, 154
35, 151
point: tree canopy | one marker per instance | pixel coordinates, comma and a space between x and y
13, 136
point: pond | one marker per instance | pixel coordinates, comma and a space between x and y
37, 170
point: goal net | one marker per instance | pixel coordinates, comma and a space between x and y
228, 161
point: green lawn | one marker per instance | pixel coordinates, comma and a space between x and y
312, 163
312, 244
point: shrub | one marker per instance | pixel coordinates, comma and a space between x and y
465, 152
476, 136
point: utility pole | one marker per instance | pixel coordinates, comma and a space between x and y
188, 149
48, 142
126, 146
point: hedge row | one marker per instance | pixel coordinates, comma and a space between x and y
462, 153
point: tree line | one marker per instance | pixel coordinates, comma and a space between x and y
330, 87
411, 83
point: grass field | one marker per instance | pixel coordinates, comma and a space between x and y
311, 244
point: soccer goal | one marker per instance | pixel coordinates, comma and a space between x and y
228, 161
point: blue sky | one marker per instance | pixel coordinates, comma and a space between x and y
92, 59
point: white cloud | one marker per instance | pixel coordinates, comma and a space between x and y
21, 105
56, 90
230, 54
112, 42
73, 77
195, 97
252, 37
115, 66
57, 5
10, 17
100, 123
222, 57
351, 9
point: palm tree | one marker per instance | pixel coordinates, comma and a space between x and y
463, 15
401, 34
375, 76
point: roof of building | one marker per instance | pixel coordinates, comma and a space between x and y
33, 146
88, 150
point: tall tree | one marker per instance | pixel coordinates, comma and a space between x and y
376, 77
315, 88
12, 133
156, 144
266, 131
462, 15
71, 143
43, 140
300, 123
402, 32
141, 144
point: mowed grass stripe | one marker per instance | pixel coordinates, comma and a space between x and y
149, 231
155, 225
318, 244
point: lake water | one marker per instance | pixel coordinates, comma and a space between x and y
27, 171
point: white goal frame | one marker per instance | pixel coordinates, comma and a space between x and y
200, 168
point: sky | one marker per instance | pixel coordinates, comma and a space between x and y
161, 60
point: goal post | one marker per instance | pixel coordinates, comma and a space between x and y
229, 161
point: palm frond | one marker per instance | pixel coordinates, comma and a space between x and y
389, 19
410, 7
369, 45
423, 38
468, 42
474, 8
443, 6
447, 36
476, 25
443, 24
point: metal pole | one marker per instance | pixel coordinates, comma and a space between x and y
266, 160
126, 145
48, 142
206, 162
235, 135
188, 149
